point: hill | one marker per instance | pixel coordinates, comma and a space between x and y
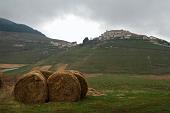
116, 54
9, 26
22, 44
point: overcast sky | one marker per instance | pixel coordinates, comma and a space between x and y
72, 20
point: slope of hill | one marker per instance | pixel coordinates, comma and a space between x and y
28, 48
22, 44
116, 55
9, 26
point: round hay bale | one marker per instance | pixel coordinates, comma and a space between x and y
46, 73
0, 79
43, 72
31, 88
82, 81
63, 86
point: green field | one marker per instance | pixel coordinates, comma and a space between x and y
115, 56
124, 93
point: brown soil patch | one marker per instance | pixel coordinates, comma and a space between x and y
12, 65
42, 68
62, 67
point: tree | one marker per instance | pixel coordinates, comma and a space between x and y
86, 39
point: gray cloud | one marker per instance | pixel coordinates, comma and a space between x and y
145, 16
34, 11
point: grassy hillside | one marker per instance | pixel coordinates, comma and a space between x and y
26, 47
20, 43
121, 56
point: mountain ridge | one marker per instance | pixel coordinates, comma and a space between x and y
10, 26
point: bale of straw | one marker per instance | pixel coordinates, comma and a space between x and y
44, 72
63, 86
82, 81
31, 88
1, 79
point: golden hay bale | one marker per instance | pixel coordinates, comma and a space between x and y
82, 81
0, 83
1, 74
44, 72
63, 86
31, 88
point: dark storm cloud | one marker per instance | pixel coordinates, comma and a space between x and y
140, 15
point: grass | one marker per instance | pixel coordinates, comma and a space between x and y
115, 56
124, 94
34, 48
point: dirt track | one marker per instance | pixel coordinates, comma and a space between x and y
62, 67
44, 68
12, 65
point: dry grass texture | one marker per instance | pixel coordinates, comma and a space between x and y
1, 79
82, 81
94, 92
31, 88
44, 72
63, 86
